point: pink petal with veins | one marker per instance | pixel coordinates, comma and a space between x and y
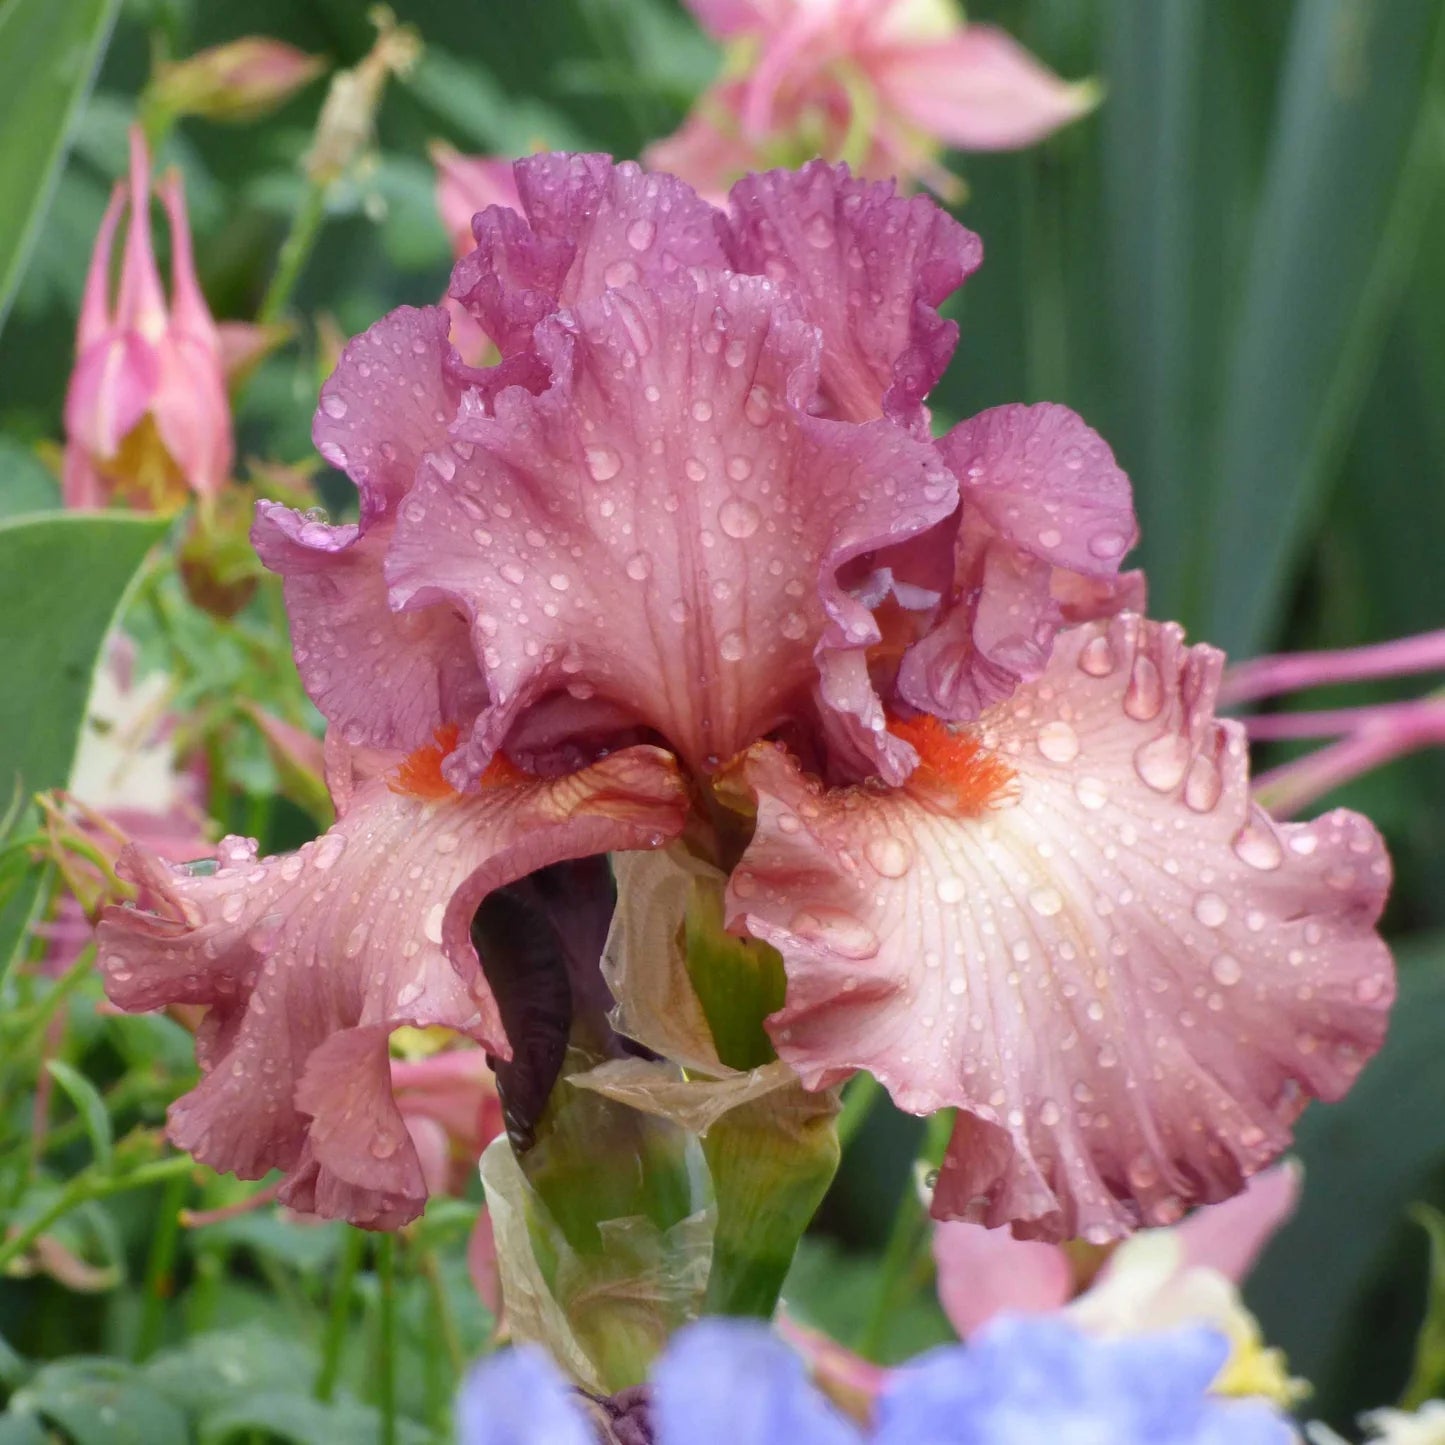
1073, 925
872, 266
663, 528
307, 961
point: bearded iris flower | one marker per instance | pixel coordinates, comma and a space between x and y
687, 557
1022, 1381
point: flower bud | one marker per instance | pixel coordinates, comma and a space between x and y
239, 81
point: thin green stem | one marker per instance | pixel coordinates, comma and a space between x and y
386, 1366
893, 1269
451, 1342
295, 251
82, 1189
160, 1267
351, 1252
860, 1094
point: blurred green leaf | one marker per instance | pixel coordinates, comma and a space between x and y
302, 1421
1427, 1379
21, 1430
62, 579
89, 1105
469, 100
101, 1402
1360, 98
221, 1366
1367, 1159
49, 54
26, 484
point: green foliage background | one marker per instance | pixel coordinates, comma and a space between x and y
1235, 270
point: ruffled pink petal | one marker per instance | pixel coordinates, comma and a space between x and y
662, 530
589, 224
873, 267
1046, 517
987, 1272
1229, 1237
1073, 925
979, 91
307, 961
382, 678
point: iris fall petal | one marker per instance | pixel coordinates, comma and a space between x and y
1073, 925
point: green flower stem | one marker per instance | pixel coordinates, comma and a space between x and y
386, 1367
86, 1187
898, 1256
446, 1327
860, 1094
295, 251
336, 1327
160, 1266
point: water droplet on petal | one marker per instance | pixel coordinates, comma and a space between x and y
819, 231
758, 408
1211, 910
1046, 902
889, 856
1203, 785
950, 889
639, 567
333, 405
1226, 969
328, 850
841, 932
739, 518
641, 234
1144, 697
1058, 742
1050, 538
432, 924
1097, 658
1161, 763
1256, 845
732, 646
1091, 793
603, 463
1107, 544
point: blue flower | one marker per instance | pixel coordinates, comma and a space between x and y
1021, 1381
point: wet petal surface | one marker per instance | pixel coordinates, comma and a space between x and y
308, 960
1073, 925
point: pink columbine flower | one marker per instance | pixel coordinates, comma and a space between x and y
883, 84
692, 533
146, 415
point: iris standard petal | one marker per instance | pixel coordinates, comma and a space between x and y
1073, 925
872, 267
1046, 517
663, 528
307, 961
587, 224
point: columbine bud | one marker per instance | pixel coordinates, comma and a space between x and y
344, 129
243, 80
146, 415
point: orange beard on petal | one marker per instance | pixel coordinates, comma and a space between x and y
956, 764
420, 775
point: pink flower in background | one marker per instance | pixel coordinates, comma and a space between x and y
449, 1103
883, 84
694, 522
987, 1272
146, 415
